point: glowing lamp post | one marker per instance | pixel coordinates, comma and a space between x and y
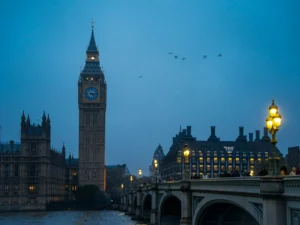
131, 179
155, 162
273, 122
186, 154
140, 173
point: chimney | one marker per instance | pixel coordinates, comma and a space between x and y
189, 130
241, 131
257, 135
250, 137
184, 132
213, 131
265, 131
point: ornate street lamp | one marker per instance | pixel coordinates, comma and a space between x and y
140, 173
273, 122
131, 179
186, 154
155, 162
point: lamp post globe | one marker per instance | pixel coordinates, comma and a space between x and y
273, 123
186, 154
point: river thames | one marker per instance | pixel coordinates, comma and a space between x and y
66, 217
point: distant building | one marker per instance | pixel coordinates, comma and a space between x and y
213, 156
32, 174
159, 156
115, 177
293, 157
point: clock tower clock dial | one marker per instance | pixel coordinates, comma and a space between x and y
92, 110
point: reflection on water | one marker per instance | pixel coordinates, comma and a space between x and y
66, 217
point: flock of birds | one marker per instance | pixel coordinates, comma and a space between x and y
184, 58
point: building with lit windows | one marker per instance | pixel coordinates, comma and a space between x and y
213, 156
32, 173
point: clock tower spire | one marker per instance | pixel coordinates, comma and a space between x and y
92, 110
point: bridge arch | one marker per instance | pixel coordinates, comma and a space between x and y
169, 210
146, 206
225, 211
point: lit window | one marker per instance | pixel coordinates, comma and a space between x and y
259, 160
229, 168
208, 153
216, 168
208, 160
252, 160
258, 154
215, 160
252, 167
208, 167
201, 167
201, 159
237, 168
222, 168
31, 188
201, 174
215, 153
193, 173
178, 159
194, 167
200, 153
237, 160
266, 154
92, 78
222, 160
230, 160
74, 173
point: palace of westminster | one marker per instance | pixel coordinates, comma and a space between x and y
32, 174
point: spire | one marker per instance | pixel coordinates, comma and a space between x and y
63, 149
92, 48
28, 119
23, 117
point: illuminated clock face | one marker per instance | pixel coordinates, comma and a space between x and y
91, 93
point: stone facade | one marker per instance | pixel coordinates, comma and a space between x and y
92, 110
214, 156
32, 174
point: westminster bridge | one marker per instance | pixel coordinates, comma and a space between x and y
216, 201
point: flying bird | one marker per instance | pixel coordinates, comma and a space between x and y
220, 55
175, 56
205, 56
183, 59
140, 76
170, 53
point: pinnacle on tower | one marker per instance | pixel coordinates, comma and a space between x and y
92, 48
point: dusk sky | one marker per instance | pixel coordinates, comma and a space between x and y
43, 46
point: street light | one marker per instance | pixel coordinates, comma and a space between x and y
131, 179
155, 169
140, 173
186, 154
273, 122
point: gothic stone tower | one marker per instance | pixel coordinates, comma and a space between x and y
92, 109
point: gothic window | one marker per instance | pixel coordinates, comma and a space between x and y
95, 122
16, 170
6, 170
87, 119
32, 170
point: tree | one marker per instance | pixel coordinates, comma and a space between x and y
90, 194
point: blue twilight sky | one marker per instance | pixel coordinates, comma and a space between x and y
43, 46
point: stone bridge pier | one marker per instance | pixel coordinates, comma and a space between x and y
228, 201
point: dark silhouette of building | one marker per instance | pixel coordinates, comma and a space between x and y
293, 157
32, 173
92, 110
115, 179
158, 155
213, 156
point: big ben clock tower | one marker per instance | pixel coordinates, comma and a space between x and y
92, 109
